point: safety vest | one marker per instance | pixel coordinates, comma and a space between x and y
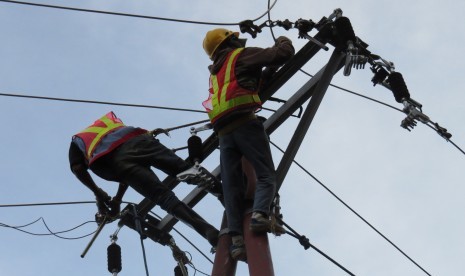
93, 135
226, 95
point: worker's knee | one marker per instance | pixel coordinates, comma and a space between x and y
168, 201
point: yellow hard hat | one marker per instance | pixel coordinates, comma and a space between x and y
214, 38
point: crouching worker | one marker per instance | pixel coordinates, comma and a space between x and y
125, 154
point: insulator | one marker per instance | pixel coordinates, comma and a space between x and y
345, 31
194, 146
398, 86
114, 258
178, 271
380, 75
304, 26
286, 24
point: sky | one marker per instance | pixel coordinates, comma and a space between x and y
408, 185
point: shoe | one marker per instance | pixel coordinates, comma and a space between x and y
237, 249
238, 252
188, 216
259, 223
189, 175
196, 175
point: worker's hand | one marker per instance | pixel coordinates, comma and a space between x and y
103, 201
101, 195
268, 72
102, 208
283, 39
100, 218
115, 207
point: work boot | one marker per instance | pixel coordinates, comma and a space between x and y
196, 175
188, 216
261, 224
237, 249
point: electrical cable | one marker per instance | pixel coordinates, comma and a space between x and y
352, 92
43, 220
304, 242
130, 15
353, 211
357, 94
74, 228
185, 21
46, 204
112, 103
186, 239
144, 256
449, 140
18, 228
174, 20
21, 226
196, 270
269, 19
98, 102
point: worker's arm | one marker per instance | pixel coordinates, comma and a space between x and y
79, 168
115, 203
277, 55
122, 188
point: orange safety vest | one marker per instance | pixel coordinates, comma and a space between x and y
93, 135
226, 95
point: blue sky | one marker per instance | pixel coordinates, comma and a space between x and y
409, 185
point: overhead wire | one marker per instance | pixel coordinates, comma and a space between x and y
46, 204
69, 230
268, 13
353, 211
354, 93
209, 23
99, 102
50, 232
55, 233
131, 15
329, 190
186, 239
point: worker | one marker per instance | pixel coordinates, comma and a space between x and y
236, 75
125, 154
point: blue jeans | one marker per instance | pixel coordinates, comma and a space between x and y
249, 141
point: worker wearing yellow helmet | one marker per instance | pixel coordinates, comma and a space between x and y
236, 75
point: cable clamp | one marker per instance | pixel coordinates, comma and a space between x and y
194, 130
413, 110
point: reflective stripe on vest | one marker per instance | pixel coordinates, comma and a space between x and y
225, 93
93, 134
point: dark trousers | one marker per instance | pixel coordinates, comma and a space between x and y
131, 164
249, 141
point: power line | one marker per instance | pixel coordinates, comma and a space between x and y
186, 239
130, 15
50, 232
45, 204
99, 102
354, 93
353, 211
73, 203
